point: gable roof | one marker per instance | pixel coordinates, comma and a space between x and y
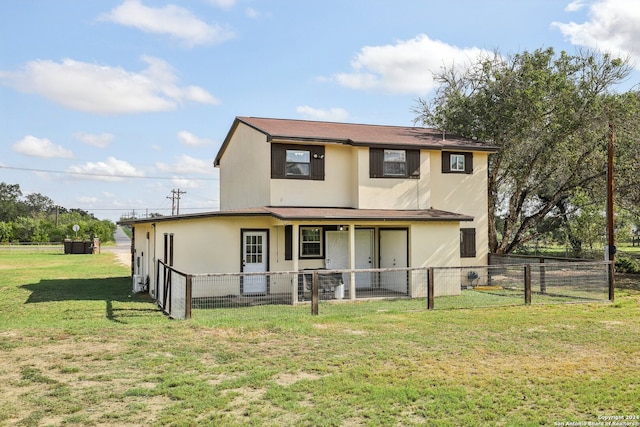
300, 131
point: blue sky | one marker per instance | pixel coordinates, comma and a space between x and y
108, 105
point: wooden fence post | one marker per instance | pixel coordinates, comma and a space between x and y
314, 293
527, 284
543, 277
611, 279
430, 288
187, 297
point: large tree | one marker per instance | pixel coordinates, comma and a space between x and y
626, 134
10, 205
549, 116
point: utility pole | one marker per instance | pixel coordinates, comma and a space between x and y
611, 249
178, 193
175, 201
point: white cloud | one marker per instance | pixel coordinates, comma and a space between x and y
405, 67
172, 20
332, 114
41, 147
102, 89
102, 140
575, 6
182, 183
110, 170
187, 165
613, 26
191, 140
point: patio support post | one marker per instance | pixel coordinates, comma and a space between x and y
295, 245
352, 262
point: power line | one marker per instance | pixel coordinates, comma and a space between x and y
103, 175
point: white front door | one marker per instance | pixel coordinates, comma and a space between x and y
254, 260
338, 254
394, 254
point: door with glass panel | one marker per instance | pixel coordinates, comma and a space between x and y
254, 260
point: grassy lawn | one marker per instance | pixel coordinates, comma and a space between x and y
76, 348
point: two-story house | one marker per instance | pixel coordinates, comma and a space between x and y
298, 194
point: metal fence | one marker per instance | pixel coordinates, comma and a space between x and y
50, 248
515, 284
172, 291
300, 293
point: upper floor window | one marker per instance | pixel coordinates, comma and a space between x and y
395, 163
457, 162
392, 163
297, 161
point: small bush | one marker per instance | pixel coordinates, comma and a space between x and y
627, 265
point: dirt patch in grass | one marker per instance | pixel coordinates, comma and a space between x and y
287, 379
72, 382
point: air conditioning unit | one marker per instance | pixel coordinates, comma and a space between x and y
138, 283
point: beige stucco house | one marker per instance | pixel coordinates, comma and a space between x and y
298, 194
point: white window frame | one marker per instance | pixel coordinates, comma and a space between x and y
457, 163
394, 153
301, 153
305, 242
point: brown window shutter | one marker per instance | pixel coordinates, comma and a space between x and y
376, 160
468, 162
446, 162
413, 163
317, 163
278, 158
467, 242
288, 242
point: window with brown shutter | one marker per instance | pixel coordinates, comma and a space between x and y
393, 163
297, 161
453, 162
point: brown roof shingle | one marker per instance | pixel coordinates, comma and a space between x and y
355, 134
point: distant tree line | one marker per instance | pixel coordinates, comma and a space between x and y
36, 218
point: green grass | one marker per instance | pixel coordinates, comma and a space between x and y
76, 348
